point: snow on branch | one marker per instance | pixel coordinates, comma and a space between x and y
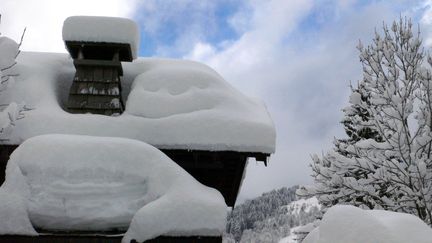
10, 113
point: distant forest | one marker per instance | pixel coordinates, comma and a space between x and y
268, 218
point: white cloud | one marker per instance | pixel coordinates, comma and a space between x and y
299, 57
201, 51
426, 22
44, 19
269, 23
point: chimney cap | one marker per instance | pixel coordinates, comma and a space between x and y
100, 31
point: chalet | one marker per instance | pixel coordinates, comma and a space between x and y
183, 108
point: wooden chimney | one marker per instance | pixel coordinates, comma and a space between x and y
96, 87
98, 45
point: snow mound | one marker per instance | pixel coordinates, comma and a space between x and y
14, 216
102, 29
99, 183
172, 90
196, 111
348, 224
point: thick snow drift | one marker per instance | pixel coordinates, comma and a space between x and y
173, 104
168, 91
348, 224
13, 215
187, 88
72, 182
102, 29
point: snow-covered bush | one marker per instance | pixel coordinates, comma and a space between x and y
9, 113
393, 168
84, 183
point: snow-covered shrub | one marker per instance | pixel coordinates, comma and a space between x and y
9, 50
9, 113
8, 116
392, 170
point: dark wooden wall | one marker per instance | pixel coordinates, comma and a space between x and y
222, 170
5, 152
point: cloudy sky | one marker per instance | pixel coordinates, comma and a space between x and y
298, 56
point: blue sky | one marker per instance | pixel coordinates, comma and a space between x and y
298, 56
212, 21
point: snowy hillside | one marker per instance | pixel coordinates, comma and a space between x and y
292, 237
303, 209
303, 205
271, 217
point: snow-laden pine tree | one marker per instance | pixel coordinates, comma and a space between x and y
390, 167
11, 112
358, 125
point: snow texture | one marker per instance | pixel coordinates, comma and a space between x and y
355, 98
8, 51
349, 224
173, 104
14, 216
99, 183
291, 238
102, 29
8, 117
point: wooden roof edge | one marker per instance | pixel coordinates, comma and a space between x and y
258, 156
124, 47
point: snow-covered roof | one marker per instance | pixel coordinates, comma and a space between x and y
171, 104
98, 183
102, 29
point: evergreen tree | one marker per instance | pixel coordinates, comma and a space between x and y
358, 125
357, 121
388, 166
